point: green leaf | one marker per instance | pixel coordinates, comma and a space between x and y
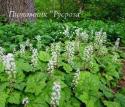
1, 67
14, 98
36, 83
87, 89
120, 98
3, 97
38, 101
78, 63
20, 78
75, 102
43, 66
38, 105
27, 67
111, 104
67, 67
89, 100
3, 77
106, 91
3, 85
90, 82
95, 67
20, 86
21, 65
44, 56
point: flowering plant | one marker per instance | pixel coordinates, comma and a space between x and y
65, 74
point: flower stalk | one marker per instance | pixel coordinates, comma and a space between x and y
56, 94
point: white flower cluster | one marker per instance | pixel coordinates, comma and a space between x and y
51, 66
115, 57
25, 101
76, 78
70, 50
55, 47
53, 62
31, 46
9, 63
14, 50
88, 53
24, 45
55, 96
34, 57
66, 31
38, 38
117, 42
78, 31
103, 50
92, 32
77, 45
82, 35
27, 43
1, 52
100, 38
22, 48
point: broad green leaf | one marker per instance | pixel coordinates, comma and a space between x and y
106, 91
3, 77
67, 67
20, 78
88, 82
21, 65
36, 83
44, 56
14, 98
3, 97
38, 101
87, 89
78, 63
111, 104
95, 67
27, 67
20, 86
3, 85
120, 98
75, 102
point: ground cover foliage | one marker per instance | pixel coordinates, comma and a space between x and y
77, 67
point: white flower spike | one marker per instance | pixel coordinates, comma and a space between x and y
56, 94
